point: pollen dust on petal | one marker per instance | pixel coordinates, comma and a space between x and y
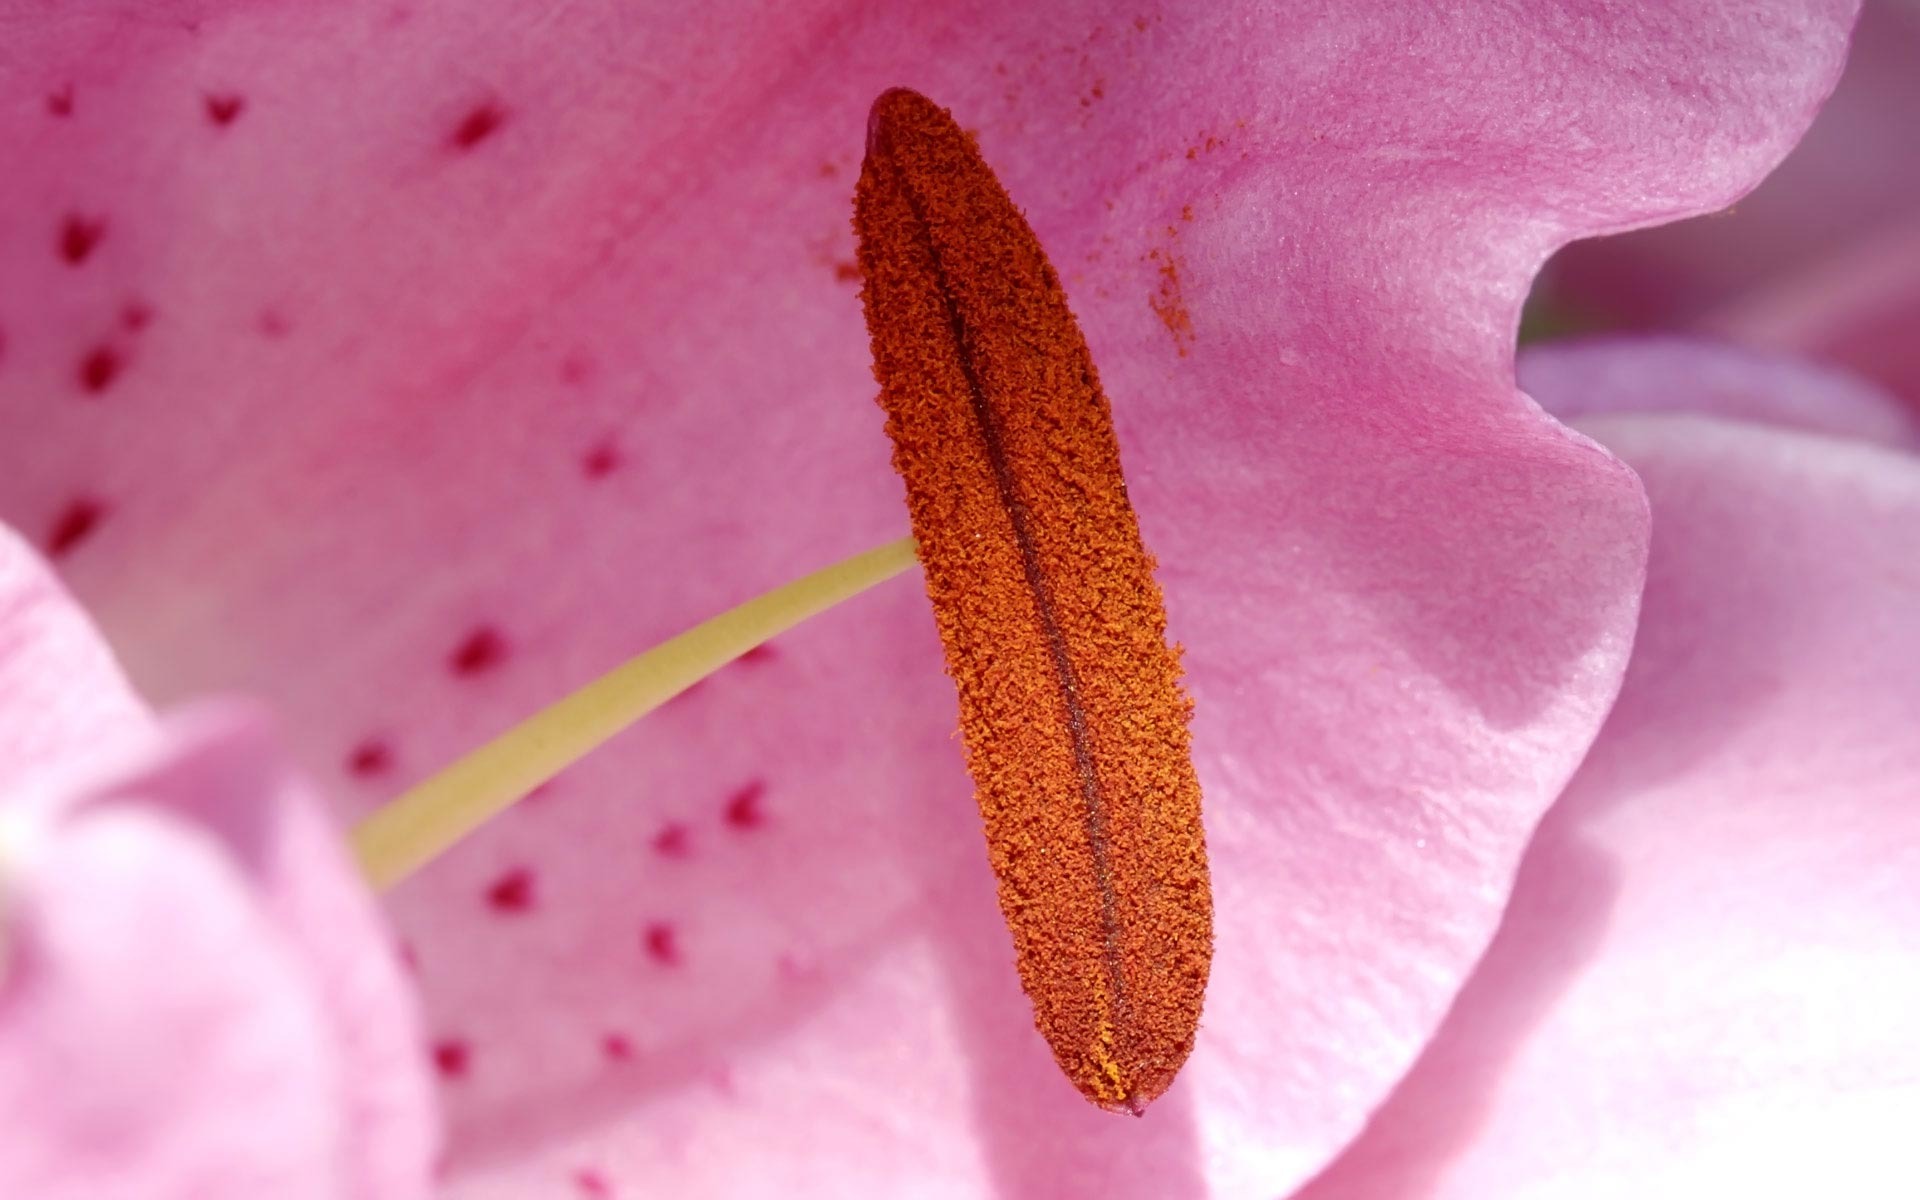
1167, 301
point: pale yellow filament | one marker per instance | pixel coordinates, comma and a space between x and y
429, 818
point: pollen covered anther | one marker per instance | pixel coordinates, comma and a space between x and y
1055, 632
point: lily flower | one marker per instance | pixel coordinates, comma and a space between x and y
404, 367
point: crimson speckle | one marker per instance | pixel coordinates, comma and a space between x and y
370, 758
100, 368
75, 524
512, 892
273, 324
763, 653
451, 1058
743, 807
136, 315
576, 369
477, 126
672, 842
616, 1047
481, 650
663, 944
224, 107
592, 1183
78, 237
601, 461
409, 957
60, 103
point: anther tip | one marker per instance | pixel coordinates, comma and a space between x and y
895, 102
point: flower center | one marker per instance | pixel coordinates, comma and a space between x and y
1054, 629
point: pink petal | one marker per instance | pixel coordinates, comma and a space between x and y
1590, 377
195, 1000
1858, 308
226, 771
1850, 182
61, 693
1706, 982
537, 343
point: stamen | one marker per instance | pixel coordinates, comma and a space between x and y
1055, 632
432, 816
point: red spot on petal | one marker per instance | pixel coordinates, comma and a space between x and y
136, 315
100, 368
576, 369
78, 236
663, 944
847, 272
592, 1183
478, 125
409, 957
482, 650
743, 807
674, 841
273, 324
370, 758
60, 103
224, 107
512, 892
451, 1058
74, 525
763, 653
601, 461
616, 1047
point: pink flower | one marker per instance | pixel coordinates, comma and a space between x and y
195, 999
406, 368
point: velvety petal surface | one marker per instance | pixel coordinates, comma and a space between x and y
408, 364
1706, 980
1581, 378
196, 1001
